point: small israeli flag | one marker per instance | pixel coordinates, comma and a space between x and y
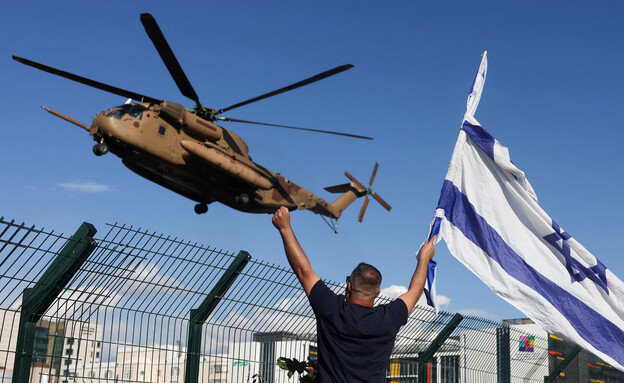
430, 285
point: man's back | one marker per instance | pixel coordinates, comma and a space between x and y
354, 342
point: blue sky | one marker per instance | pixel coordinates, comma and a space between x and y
553, 95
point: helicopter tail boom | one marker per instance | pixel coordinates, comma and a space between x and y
350, 192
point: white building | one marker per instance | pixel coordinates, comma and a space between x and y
259, 357
153, 364
59, 347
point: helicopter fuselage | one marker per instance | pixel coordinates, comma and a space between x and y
204, 165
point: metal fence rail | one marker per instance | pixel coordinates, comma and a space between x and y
135, 306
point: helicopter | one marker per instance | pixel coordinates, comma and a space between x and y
185, 151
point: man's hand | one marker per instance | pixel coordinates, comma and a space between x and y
427, 250
417, 284
281, 219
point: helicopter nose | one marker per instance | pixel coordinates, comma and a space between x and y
104, 126
99, 125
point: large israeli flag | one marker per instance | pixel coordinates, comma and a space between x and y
493, 224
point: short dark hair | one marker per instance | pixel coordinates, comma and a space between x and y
366, 279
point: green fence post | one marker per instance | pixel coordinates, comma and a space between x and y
564, 363
37, 300
199, 315
439, 340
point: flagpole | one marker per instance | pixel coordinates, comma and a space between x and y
474, 96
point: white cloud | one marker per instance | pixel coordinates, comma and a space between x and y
85, 187
393, 292
81, 303
443, 301
478, 313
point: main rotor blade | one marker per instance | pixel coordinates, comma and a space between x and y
370, 183
293, 127
166, 54
363, 209
382, 202
349, 176
86, 81
296, 85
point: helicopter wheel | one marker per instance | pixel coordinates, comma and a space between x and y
201, 208
100, 149
243, 199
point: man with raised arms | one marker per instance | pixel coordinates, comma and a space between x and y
354, 338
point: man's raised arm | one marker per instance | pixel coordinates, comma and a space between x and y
417, 284
294, 253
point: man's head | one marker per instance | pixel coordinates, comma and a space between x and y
363, 285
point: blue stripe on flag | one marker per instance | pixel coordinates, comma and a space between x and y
481, 137
590, 325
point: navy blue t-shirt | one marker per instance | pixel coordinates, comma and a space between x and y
354, 342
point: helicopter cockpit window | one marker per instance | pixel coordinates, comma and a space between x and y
133, 110
136, 113
116, 114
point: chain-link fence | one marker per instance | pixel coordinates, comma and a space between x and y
135, 306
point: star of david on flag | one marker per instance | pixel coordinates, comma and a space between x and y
491, 221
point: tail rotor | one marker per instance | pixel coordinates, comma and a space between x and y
368, 191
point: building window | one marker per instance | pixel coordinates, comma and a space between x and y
449, 369
267, 360
162, 130
219, 368
128, 372
70, 340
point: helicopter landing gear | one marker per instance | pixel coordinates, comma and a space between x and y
100, 149
243, 199
201, 208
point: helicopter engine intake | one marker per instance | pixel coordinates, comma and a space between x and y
192, 124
